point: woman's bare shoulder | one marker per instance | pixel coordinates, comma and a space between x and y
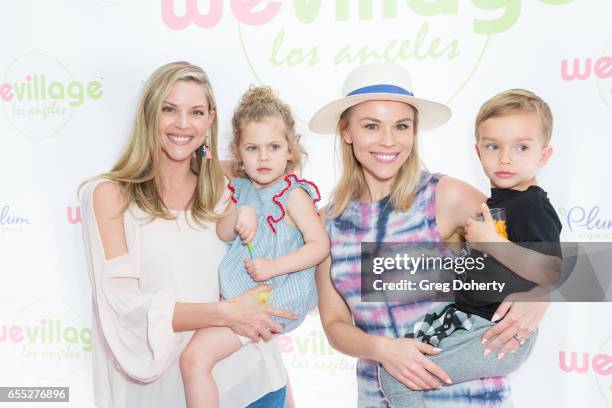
108, 199
452, 192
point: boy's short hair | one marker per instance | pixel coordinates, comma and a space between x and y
516, 101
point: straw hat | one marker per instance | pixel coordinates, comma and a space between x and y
378, 82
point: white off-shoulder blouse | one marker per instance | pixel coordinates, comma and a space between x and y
135, 350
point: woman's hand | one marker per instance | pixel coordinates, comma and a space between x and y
404, 360
517, 318
247, 316
246, 223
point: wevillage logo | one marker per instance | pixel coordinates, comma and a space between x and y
11, 220
49, 339
584, 363
582, 69
306, 47
39, 95
307, 351
586, 223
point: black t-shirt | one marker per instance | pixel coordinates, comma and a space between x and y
529, 218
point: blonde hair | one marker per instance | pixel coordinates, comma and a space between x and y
137, 169
261, 102
515, 101
352, 182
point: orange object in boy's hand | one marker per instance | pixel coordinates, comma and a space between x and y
488, 230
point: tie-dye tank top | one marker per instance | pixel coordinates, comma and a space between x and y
379, 222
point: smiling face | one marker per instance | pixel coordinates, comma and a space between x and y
381, 134
511, 150
183, 121
264, 151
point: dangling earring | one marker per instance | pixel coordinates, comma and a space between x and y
205, 150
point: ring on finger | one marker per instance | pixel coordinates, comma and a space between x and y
521, 340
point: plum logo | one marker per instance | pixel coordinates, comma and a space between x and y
39, 95
49, 339
588, 223
306, 349
12, 221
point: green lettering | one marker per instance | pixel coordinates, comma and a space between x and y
306, 10
389, 8
276, 45
295, 56
512, 11
19, 90
556, 2
75, 92
302, 344
56, 90
32, 333
431, 8
365, 10
86, 338
70, 335
94, 90
342, 10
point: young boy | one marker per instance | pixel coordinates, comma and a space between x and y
513, 130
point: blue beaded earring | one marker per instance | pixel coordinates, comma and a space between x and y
205, 149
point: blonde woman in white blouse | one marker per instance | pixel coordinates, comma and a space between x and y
152, 255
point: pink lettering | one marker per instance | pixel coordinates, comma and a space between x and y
286, 344
575, 74
602, 364
573, 364
15, 334
243, 10
5, 92
74, 218
603, 67
192, 14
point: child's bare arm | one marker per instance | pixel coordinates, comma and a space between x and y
226, 226
316, 242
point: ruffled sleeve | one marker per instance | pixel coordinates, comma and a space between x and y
280, 199
236, 187
137, 326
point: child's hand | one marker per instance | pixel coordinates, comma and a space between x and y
261, 269
481, 231
246, 223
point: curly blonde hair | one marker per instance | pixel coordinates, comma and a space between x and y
258, 103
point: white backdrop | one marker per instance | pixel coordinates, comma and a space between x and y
70, 73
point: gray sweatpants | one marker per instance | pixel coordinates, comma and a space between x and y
463, 360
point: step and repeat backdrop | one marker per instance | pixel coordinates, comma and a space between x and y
70, 74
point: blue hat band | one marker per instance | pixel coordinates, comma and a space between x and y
381, 88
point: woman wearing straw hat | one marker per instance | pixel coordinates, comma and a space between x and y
384, 195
